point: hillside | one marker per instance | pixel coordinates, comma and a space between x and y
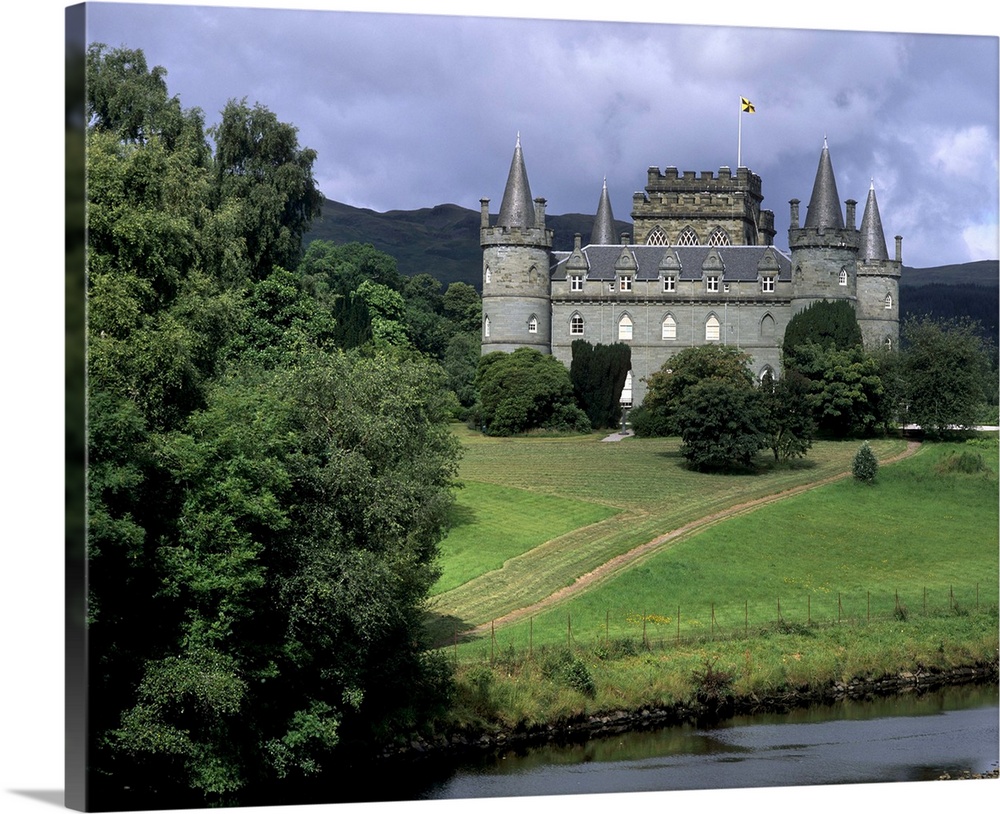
443, 241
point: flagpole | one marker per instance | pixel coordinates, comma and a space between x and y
739, 137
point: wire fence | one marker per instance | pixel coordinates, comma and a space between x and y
699, 622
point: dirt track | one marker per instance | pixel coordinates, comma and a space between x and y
619, 562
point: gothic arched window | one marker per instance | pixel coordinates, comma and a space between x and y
688, 237
843, 277
533, 325
486, 327
719, 237
576, 325
888, 302
625, 328
669, 327
657, 238
712, 329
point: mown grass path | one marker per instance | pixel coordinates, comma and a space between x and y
645, 480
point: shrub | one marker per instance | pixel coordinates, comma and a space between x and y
711, 685
865, 465
568, 669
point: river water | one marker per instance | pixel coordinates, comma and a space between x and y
907, 738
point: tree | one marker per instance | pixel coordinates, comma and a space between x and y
598, 373
464, 307
721, 424
260, 166
864, 467
945, 367
789, 421
666, 388
849, 398
827, 324
526, 390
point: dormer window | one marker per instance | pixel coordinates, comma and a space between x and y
669, 284
576, 282
712, 283
624, 282
767, 283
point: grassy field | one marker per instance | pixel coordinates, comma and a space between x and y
921, 539
642, 481
840, 581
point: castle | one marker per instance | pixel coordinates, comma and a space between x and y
700, 269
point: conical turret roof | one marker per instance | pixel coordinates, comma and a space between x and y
824, 205
872, 236
517, 208
603, 233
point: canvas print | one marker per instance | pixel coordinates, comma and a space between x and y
500, 407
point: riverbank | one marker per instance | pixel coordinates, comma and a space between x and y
698, 710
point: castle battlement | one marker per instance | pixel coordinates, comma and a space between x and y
515, 236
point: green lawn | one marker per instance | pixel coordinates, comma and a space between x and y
843, 551
644, 482
492, 524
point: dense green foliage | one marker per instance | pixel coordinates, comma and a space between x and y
789, 425
829, 324
946, 370
598, 373
722, 425
666, 387
264, 505
526, 390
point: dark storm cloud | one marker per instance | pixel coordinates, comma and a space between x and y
412, 110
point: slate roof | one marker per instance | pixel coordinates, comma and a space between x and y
517, 208
824, 205
872, 236
738, 263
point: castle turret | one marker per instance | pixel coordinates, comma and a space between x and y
603, 233
878, 281
517, 308
825, 250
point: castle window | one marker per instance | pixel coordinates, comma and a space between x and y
576, 282
712, 282
656, 238
625, 328
767, 283
767, 326
669, 284
719, 237
576, 325
888, 302
624, 282
669, 327
626, 397
712, 329
489, 274
843, 277
533, 325
688, 237
486, 327
888, 343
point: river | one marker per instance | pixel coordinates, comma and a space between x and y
911, 737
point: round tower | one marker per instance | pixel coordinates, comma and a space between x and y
878, 281
825, 249
517, 310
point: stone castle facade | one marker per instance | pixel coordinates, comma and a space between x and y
699, 269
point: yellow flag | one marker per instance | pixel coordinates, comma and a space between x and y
746, 105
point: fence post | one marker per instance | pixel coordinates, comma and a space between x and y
678, 624
925, 600
493, 640
569, 632
531, 635
779, 610
951, 597
713, 620
809, 613
607, 619
645, 641
839, 608
977, 597
746, 617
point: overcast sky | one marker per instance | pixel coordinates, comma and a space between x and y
413, 110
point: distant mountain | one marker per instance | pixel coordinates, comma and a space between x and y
443, 241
